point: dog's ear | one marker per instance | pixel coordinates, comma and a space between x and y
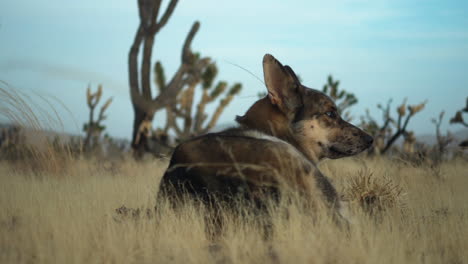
284, 88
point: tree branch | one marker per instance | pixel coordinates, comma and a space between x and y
187, 107
146, 66
176, 84
156, 8
406, 122
186, 50
166, 16
145, 8
397, 135
399, 121
219, 110
200, 114
137, 99
171, 121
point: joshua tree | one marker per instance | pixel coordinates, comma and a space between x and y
194, 124
442, 141
342, 98
144, 103
384, 134
380, 132
11, 137
94, 127
401, 127
408, 143
458, 118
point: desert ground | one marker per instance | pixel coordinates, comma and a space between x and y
66, 213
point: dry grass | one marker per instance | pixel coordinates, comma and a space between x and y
35, 116
57, 208
72, 219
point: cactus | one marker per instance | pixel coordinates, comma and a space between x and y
342, 98
144, 104
196, 123
442, 141
458, 117
175, 95
379, 132
408, 143
94, 127
386, 134
401, 127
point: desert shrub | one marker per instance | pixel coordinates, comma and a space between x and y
374, 194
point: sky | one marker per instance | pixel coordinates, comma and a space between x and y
377, 49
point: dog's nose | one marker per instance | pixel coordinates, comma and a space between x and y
368, 139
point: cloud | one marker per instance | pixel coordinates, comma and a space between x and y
62, 72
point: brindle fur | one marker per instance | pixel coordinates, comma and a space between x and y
280, 140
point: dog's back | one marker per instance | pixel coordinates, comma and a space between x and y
240, 163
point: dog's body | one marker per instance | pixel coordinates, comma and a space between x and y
280, 140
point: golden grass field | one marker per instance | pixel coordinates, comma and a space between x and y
68, 216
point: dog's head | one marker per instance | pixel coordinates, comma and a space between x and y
305, 117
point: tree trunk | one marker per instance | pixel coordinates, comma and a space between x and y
144, 104
140, 140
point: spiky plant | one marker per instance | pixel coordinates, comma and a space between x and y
442, 141
94, 127
391, 129
196, 123
374, 195
458, 117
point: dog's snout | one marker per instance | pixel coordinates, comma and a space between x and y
368, 139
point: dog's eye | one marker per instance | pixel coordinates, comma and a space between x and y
331, 114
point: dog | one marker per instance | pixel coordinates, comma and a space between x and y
277, 146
